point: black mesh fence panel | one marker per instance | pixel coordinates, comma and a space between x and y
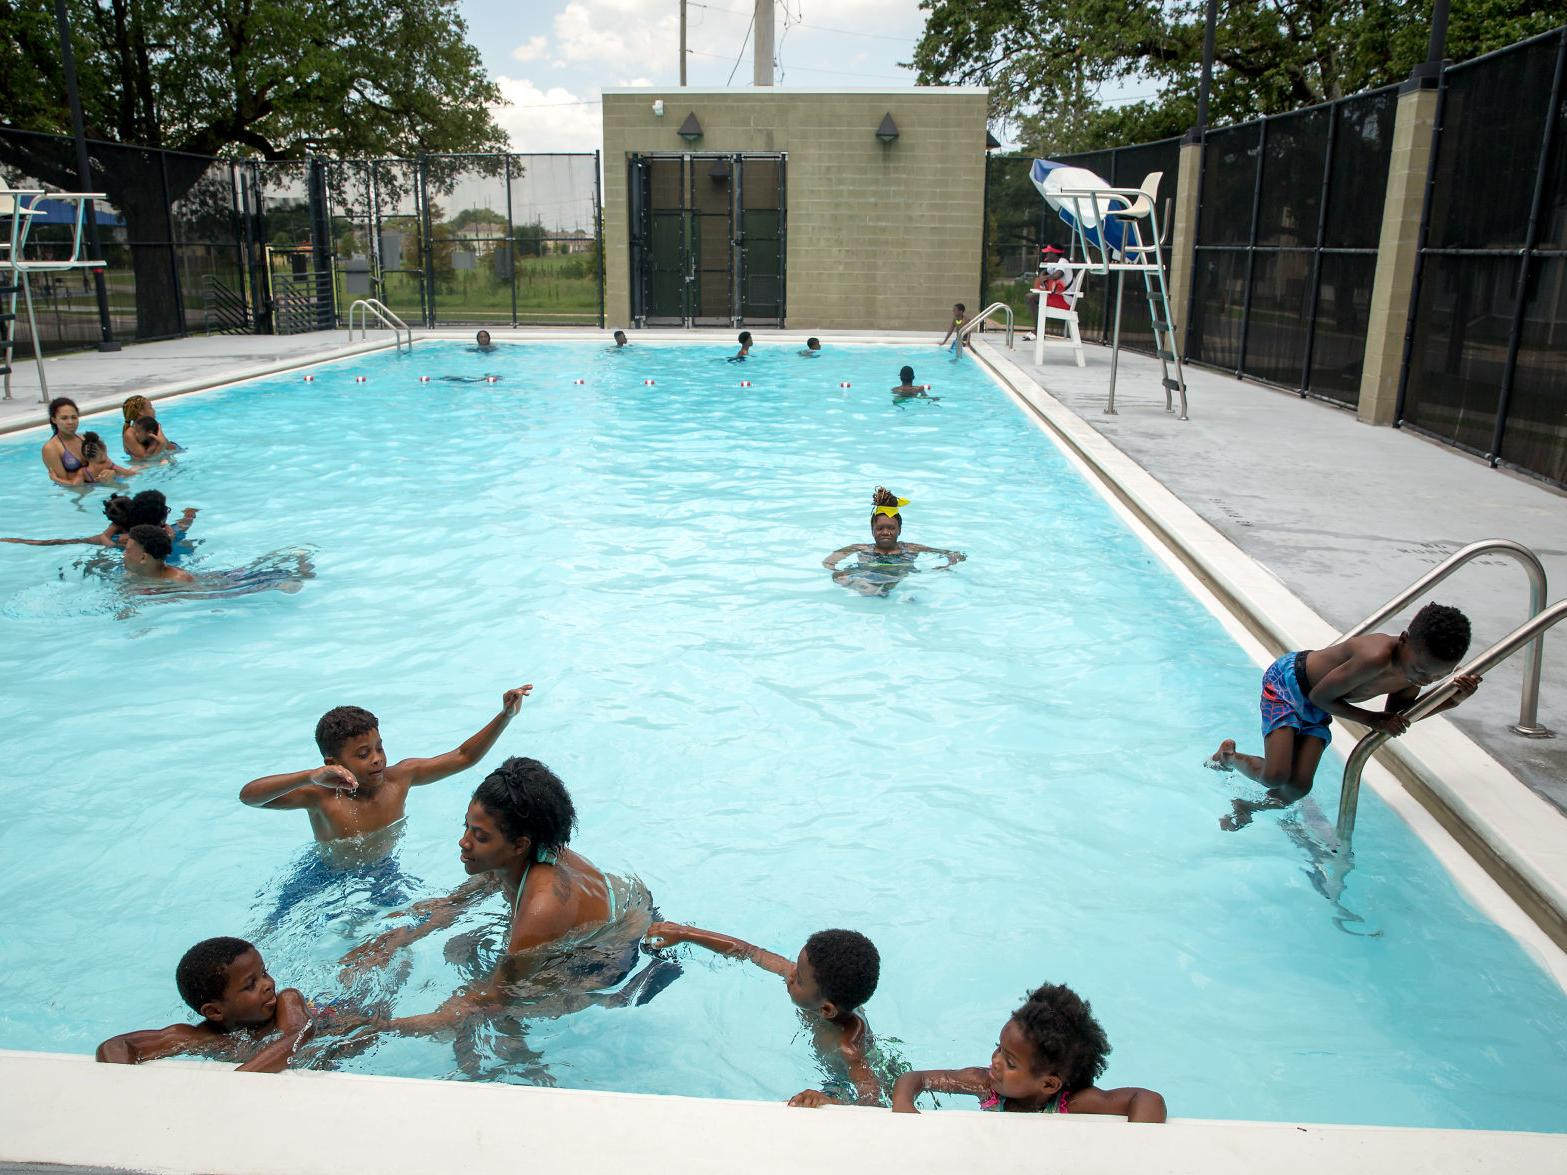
1296, 203
1487, 358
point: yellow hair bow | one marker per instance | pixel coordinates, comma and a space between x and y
889, 511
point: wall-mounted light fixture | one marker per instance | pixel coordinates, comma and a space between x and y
691, 129
658, 108
991, 142
888, 130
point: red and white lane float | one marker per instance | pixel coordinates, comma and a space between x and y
745, 383
490, 379
579, 381
647, 383
843, 383
309, 379
424, 379
360, 379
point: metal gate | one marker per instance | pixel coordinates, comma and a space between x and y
707, 239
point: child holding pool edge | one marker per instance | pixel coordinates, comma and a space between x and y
225, 982
1302, 692
354, 792
834, 975
1046, 1061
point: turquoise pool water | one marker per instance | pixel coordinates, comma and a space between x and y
995, 773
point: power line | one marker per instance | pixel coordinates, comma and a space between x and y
803, 23
743, 42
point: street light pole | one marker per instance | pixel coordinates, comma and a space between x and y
682, 42
84, 175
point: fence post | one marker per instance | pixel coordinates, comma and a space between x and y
1183, 234
1398, 252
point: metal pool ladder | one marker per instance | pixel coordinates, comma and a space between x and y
369, 306
1529, 635
988, 311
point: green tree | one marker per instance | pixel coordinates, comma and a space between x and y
279, 79
1046, 60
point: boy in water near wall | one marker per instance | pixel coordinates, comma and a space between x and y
225, 982
354, 792
1302, 692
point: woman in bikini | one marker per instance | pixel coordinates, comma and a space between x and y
572, 929
62, 452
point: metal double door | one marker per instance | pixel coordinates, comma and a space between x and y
707, 239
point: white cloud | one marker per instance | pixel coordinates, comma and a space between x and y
531, 50
634, 82
553, 119
616, 32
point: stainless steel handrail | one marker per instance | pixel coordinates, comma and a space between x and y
986, 313
1349, 793
369, 306
1528, 723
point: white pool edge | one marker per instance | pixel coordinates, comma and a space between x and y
198, 1118
1519, 827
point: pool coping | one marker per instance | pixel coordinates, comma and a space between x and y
152, 1118
1509, 831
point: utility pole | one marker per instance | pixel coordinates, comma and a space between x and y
764, 43
682, 42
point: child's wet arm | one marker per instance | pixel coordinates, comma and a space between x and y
1330, 693
736, 948
1134, 1103
148, 1044
472, 749
291, 789
973, 1081
295, 1027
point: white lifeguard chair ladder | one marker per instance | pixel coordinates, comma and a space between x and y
1129, 210
19, 207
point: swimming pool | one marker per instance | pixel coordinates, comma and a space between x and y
994, 773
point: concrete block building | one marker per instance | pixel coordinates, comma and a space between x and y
815, 209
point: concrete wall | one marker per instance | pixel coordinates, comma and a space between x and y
879, 236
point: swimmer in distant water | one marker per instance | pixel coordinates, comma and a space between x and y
812, 349
482, 341
885, 562
908, 389
620, 340
745, 348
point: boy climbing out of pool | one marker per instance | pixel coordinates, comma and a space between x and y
225, 982
1302, 692
1046, 1061
835, 974
354, 792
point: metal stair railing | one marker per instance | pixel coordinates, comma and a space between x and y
1528, 724
1528, 633
224, 310
369, 306
987, 312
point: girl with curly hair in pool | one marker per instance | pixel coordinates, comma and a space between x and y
1046, 1061
885, 561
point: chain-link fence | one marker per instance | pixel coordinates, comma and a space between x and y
195, 244
1487, 363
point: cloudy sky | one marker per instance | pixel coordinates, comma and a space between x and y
552, 58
